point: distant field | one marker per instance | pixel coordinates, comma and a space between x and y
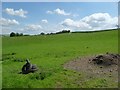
49, 53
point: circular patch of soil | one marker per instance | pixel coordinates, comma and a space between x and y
98, 65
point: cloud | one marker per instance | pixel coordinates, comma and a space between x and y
44, 21
13, 12
75, 24
59, 12
101, 20
96, 21
49, 12
8, 22
33, 27
8, 25
75, 15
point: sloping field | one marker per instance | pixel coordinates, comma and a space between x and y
50, 53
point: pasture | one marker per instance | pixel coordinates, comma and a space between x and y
50, 53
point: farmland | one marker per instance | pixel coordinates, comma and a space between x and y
50, 53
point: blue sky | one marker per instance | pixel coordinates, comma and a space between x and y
37, 17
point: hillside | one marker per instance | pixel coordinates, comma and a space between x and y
50, 53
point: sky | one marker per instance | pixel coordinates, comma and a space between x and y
47, 17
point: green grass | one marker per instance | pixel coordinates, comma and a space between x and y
49, 53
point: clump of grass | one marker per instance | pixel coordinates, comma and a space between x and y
8, 56
41, 74
19, 60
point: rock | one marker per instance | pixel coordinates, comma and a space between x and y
110, 70
28, 67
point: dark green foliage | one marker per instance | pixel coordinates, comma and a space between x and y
42, 33
12, 34
63, 31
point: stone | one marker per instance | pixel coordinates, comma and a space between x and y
28, 67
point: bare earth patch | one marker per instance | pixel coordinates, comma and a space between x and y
105, 65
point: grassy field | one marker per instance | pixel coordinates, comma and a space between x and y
49, 53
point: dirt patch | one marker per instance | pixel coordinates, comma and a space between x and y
104, 65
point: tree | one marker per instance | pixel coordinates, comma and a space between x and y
12, 34
21, 34
63, 31
42, 33
17, 34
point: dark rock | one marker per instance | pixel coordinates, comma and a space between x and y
28, 68
94, 59
110, 70
100, 56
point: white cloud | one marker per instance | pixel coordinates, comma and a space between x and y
44, 21
13, 12
49, 12
33, 27
59, 12
8, 22
75, 24
97, 21
9, 25
101, 21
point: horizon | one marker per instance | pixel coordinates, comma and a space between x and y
62, 33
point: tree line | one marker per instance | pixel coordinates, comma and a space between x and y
60, 32
13, 34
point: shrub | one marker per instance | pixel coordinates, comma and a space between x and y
12, 34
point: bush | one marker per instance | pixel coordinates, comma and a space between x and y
42, 33
12, 34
